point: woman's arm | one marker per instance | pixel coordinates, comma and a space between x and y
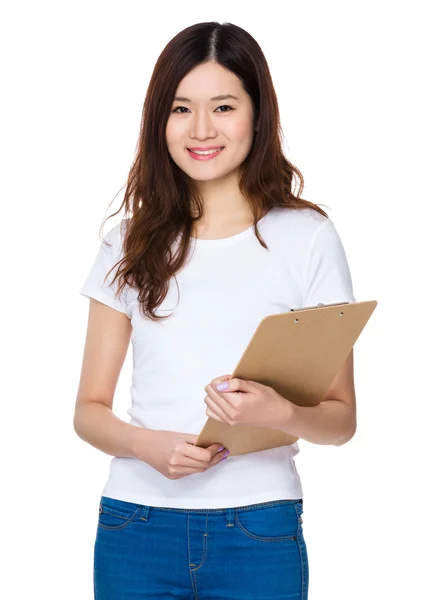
333, 421
107, 340
96, 424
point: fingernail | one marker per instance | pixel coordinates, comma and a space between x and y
222, 386
220, 448
225, 454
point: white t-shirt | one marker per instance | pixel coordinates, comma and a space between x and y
226, 287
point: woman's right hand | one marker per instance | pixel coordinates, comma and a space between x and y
174, 455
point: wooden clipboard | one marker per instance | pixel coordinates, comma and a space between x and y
298, 353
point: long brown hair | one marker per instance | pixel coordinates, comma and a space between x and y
159, 196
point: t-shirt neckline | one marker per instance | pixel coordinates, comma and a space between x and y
233, 239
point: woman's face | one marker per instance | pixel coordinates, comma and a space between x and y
198, 121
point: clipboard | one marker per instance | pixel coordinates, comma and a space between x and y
298, 353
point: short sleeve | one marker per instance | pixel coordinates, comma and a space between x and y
107, 257
327, 277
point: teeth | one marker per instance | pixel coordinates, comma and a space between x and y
204, 152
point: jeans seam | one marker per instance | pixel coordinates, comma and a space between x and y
302, 566
191, 573
205, 548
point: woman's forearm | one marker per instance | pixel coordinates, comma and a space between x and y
97, 425
330, 422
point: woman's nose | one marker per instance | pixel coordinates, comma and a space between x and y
202, 125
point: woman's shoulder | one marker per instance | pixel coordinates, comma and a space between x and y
116, 234
304, 220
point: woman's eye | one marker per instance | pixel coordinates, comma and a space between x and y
175, 110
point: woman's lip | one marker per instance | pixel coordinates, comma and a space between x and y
207, 148
204, 156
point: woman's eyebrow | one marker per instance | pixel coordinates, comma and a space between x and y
216, 98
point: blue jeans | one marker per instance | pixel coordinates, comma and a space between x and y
250, 552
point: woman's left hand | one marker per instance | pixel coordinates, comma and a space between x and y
246, 403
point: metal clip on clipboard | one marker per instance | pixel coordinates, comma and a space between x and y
319, 306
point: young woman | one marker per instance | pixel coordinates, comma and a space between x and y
213, 240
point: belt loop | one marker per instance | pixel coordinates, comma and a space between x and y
144, 513
230, 517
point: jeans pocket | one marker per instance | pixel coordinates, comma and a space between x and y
116, 514
277, 522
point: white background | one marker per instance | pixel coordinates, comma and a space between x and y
74, 77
